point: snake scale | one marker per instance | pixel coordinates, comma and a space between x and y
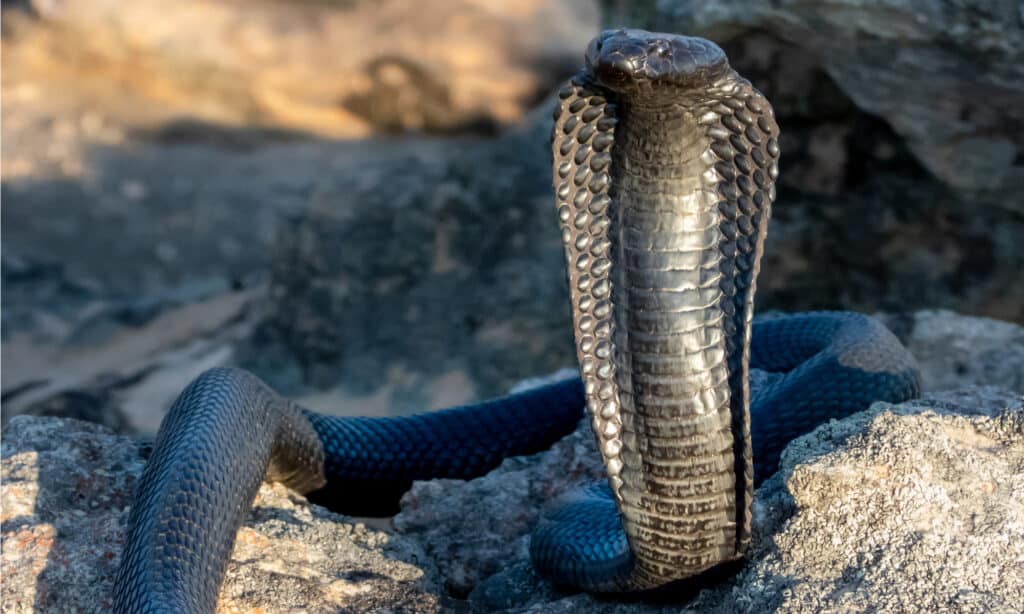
664, 167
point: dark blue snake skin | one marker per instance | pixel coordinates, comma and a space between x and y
370, 462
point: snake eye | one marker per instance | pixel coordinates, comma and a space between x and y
660, 49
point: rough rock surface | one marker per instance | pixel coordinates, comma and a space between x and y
67, 487
344, 69
470, 547
442, 287
456, 261
948, 75
955, 351
405, 273
452, 278
916, 506
902, 133
912, 507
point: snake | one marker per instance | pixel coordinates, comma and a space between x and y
664, 169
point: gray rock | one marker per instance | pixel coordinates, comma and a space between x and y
470, 548
948, 75
955, 350
407, 273
67, 488
413, 271
888, 200
128, 380
915, 506
411, 276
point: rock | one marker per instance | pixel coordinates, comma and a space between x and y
434, 285
127, 376
96, 406
67, 487
912, 506
954, 351
908, 507
415, 275
446, 284
343, 69
407, 273
887, 200
469, 548
896, 60
915, 506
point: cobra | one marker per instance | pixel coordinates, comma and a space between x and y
664, 167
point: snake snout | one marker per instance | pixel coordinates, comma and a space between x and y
621, 59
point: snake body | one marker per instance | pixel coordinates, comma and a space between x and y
664, 169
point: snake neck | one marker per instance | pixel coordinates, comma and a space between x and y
678, 493
663, 210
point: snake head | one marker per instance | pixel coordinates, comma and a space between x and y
660, 66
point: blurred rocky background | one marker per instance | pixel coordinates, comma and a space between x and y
352, 198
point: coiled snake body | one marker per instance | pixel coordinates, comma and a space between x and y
664, 169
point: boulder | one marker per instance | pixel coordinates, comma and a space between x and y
444, 282
404, 274
914, 506
901, 132
954, 351
454, 261
966, 363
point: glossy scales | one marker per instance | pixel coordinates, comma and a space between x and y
680, 224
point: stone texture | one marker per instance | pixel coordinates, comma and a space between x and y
407, 273
450, 272
915, 506
456, 265
67, 487
126, 377
909, 507
343, 69
130, 235
468, 549
471, 547
897, 191
955, 351
947, 75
